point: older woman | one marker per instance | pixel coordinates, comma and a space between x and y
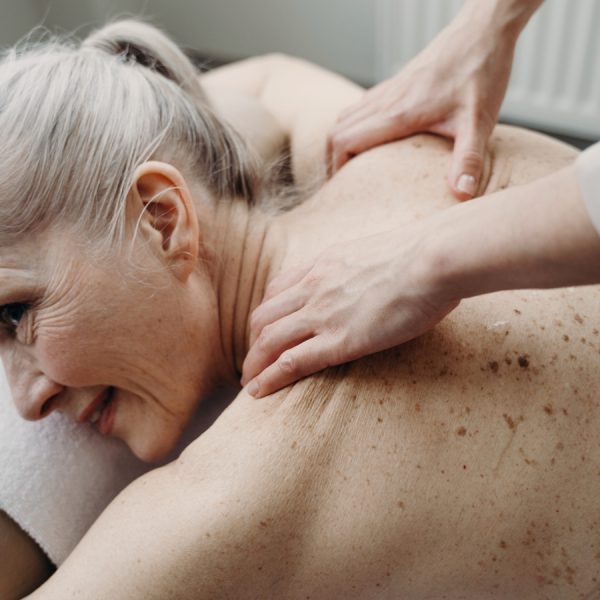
135, 244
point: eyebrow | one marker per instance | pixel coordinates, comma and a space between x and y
14, 282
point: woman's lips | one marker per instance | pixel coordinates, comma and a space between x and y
107, 417
100, 411
96, 403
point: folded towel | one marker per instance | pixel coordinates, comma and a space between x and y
587, 167
57, 476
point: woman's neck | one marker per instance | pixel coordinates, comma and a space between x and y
249, 251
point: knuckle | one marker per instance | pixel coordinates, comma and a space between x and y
264, 339
288, 364
332, 138
334, 355
255, 320
313, 279
271, 288
306, 321
472, 160
337, 148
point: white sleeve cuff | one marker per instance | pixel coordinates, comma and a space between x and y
587, 168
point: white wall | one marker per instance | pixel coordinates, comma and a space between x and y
555, 83
339, 34
363, 39
17, 18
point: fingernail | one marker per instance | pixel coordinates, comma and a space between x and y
467, 184
252, 388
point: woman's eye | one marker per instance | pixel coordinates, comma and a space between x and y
11, 314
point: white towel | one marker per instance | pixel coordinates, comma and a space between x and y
57, 476
587, 167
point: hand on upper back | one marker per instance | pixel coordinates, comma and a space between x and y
355, 299
452, 88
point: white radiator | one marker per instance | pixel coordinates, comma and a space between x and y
555, 82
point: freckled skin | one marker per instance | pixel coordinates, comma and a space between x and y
433, 470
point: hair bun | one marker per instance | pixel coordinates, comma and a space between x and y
145, 45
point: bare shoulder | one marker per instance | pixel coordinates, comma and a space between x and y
305, 99
518, 155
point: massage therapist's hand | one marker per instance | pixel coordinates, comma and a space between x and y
355, 299
453, 88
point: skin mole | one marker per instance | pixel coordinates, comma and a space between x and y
523, 361
461, 431
512, 424
494, 366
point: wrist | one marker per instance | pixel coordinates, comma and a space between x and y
504, 19
478, 247
449, 274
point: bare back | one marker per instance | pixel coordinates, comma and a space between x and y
464, 464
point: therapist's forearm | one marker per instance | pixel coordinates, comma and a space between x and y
537, 235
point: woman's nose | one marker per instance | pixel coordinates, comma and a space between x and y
34, 394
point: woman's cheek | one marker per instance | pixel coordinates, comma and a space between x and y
67, 359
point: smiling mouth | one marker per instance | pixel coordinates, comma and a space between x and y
95, 416
93, 411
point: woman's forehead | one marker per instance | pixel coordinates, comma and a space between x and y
20, 257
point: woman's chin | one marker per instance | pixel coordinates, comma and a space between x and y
152, 452
153, 448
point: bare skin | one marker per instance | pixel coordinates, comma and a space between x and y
290, 458
461, 465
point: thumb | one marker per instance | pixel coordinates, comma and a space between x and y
467, 162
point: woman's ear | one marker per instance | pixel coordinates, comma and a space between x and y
165, 214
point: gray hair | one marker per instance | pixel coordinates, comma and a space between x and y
77, 119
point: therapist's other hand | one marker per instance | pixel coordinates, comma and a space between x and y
453, 88
355, 299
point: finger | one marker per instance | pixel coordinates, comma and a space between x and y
371, 102
360, 112
349, 112
467, 161
338, 133
367, 134
309, 357
374, 104
349, 117
286, 280
275, 339
273, 309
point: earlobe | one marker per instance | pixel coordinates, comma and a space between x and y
166, 214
